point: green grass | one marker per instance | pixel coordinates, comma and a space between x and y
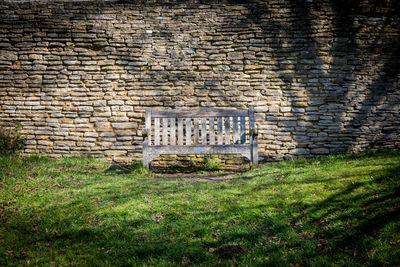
337, 210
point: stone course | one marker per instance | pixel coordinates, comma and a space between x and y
323, 76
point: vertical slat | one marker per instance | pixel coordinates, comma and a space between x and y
188, 132
180, 131
219, 130
148, 126
165, 131
227, 130
196, 130
173, 132
235, 133
212, 131
203, 130
242, 130
157, 131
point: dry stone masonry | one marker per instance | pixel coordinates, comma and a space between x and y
323, 75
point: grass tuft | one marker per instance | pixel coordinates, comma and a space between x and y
209, 163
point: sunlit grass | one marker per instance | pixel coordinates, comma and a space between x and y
336, 210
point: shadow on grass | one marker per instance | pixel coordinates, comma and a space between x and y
135, 168
354, 214
122, 220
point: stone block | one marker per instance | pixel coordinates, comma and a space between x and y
320, 151
125, 125
115, 102
115, 153
85, 109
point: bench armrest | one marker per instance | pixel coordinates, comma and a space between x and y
145, 133
254, 132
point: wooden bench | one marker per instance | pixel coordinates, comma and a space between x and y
187, 131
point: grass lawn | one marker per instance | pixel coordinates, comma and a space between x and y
337, 210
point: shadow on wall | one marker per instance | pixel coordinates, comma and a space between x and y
333, 66
351, 79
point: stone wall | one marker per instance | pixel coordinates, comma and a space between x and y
323, 75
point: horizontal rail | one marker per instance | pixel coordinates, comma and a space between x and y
204, 150
198, 113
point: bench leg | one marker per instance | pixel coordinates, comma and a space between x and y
145, 162
254, 157
254, 153
147, 158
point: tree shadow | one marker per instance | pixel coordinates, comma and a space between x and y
350, 217
135, 167
319, 73
297, 57
321, 81
115, 219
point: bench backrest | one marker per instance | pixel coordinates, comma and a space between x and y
198, 126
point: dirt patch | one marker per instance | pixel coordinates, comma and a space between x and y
229, 251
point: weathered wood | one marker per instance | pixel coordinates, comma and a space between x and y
201, 149
172, 132
175, 122
212, 130
251, 117
156, 131
242, 130
235, 133
188, 131
203, 130
219, 130
227, 130
147, 138
253, 139
198, 113
180, 131
254, 151
147, 126
165, 131
195, 131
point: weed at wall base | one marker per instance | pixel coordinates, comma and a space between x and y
11, 140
